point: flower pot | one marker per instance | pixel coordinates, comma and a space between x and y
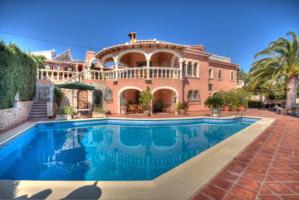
97, 115
147, 113
215, 112
123, 110
242, 108
182, 111
63, 117
226, 108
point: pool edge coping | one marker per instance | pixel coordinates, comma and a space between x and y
181, 182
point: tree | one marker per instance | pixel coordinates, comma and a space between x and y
145, 98
280, 60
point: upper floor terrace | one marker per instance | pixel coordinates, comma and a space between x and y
146, 59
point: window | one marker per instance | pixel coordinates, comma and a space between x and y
184, 68
189, 69
232, 75
193, 95
211, 76
219, 74
195, 74
210, 87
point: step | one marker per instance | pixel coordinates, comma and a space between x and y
39, 109
38, 113
39, 104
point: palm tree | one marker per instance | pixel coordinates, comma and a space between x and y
279, 61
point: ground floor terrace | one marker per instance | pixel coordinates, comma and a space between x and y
266, 169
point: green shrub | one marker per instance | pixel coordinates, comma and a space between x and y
98, 110
181, 106
145, 98
58, 96
68, 110
215, 101
234, 98
17, 74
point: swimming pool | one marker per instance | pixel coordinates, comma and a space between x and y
110, 149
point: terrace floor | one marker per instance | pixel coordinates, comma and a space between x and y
267, 169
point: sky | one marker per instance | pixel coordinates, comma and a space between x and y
233, 28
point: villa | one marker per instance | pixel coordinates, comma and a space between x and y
173, 72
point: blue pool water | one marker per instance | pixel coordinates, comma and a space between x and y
110, 149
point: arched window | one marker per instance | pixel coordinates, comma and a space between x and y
193, 95
211, 76
195, 70
219, 74
184, 68
189, 69
231, 75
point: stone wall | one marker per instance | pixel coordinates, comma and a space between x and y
13, 116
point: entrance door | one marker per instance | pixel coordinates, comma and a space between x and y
82, 99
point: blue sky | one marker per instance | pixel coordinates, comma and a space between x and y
233, 28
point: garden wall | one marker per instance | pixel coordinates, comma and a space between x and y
11, 117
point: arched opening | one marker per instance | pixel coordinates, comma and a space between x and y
189, 69
195, 70
93, 63
164, 59
97, 97
211, 73
129, 101
132, 59
165, 100
108, 63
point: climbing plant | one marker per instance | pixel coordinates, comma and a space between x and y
17, 74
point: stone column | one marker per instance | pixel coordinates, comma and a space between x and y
181, 68
116, 68
148, 69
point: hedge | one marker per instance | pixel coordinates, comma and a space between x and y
17, 74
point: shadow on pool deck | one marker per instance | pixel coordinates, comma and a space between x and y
9, 189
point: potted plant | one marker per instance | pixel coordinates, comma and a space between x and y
214, 102
180, 108
145, 100
123, 105
243, 98
97, 112
65, 113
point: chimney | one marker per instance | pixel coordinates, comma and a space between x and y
133, 37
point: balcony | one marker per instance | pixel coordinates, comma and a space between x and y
115, 74
55, 75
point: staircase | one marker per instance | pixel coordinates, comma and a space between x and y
38, 110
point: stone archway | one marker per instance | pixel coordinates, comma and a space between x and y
165, 99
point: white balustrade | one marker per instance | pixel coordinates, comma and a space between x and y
123, 73
54, 74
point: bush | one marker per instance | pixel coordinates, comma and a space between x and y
17, 74
215, 101
57, 96
145, 98
181, 106
234, 99
68, 110
98, 110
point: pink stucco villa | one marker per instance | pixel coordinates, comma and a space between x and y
173, 72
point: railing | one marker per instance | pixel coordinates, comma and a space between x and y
55, 74
123, 73
220, 58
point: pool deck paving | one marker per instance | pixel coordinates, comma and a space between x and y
268, 169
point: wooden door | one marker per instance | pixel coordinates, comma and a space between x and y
82, 99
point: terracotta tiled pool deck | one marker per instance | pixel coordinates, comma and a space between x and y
268, 169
